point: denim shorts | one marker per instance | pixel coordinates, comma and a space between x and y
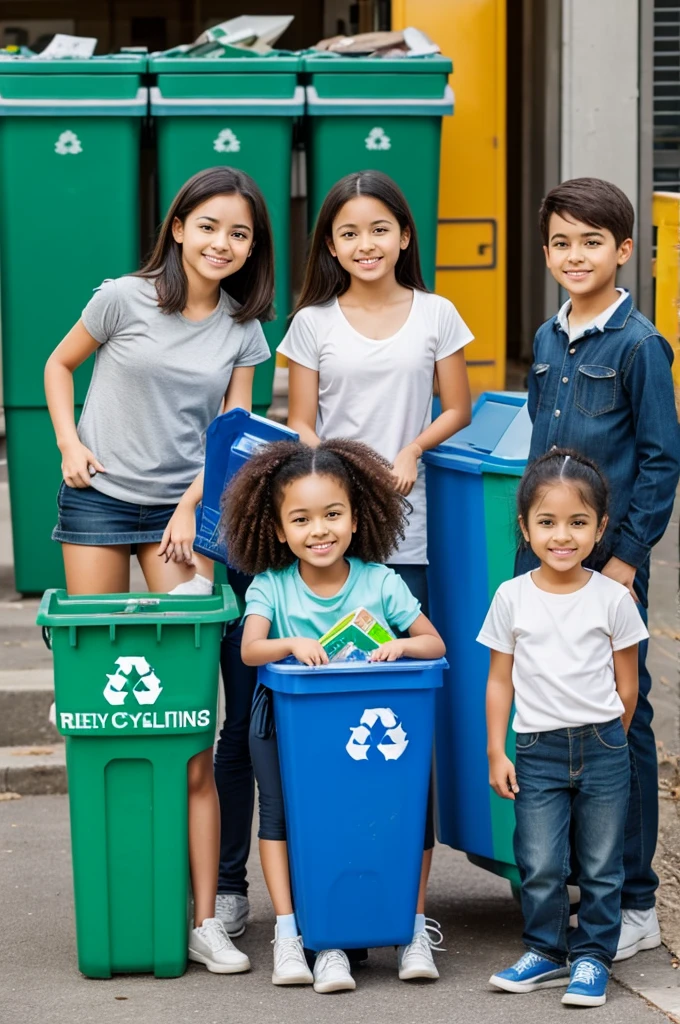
86, 516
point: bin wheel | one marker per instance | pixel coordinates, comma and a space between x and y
516, 893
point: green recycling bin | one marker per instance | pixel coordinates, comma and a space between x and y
384, 115
135, 682
237, 112
69, 198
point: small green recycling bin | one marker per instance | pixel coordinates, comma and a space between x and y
135, 680
384, 115
69, 198
237, 112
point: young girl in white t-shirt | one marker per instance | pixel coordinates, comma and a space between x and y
563, 645
364, 346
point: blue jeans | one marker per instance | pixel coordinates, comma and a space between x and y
572, 780
233, 767
642, 826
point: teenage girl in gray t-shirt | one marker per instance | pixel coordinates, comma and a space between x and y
175, 345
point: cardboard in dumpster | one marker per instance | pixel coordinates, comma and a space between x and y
256, 33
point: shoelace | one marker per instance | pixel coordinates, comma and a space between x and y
286, 950
423, 942
214, 935
329, 958
526, 962
586, 972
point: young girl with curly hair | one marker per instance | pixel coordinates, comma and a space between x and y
313, 524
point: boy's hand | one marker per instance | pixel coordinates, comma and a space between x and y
309, 652
622, 572
502, 777
390, 651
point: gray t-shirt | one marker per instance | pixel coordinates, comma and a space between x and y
157, 384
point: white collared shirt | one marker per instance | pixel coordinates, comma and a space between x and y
599, 322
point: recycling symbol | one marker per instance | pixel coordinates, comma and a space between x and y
133, 675
393, 740
378, 139
68, 142
227, 142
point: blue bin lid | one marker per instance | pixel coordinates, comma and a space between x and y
230, 440
496, 441
352, 676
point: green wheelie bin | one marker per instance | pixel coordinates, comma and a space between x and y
384, 115
237, 112
69, 197
135, 681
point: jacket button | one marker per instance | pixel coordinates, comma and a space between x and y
557, 413
572, 351
565, 380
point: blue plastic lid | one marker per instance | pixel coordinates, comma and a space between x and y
352, 676
230, 440
496, 441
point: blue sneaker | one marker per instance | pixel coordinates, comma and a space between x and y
529, 973
588, 983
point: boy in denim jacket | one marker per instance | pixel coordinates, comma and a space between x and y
601, 383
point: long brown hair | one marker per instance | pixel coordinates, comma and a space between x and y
324, 277
253, 285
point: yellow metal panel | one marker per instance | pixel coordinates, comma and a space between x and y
666, 220
472, 205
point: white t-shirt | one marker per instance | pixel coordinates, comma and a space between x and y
563, 670
379, 392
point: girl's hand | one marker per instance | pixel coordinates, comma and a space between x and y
177, 543
390, 651
405, 469
76, 461
309, 652
502, 777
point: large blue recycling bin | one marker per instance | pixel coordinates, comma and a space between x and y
230, 440
355, 746
472, 527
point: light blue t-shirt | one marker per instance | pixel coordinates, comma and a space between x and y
282, 596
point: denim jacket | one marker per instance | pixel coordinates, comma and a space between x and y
609, 395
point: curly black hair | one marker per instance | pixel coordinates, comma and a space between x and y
251, 502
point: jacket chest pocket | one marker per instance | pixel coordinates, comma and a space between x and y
595, 391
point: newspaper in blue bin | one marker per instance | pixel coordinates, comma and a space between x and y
354, 637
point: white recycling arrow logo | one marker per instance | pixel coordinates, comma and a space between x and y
227, 142
132, 675
68, 143
393, 741
378, 138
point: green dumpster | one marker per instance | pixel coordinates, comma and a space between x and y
385, 115
69, 197
135, 679
238, 112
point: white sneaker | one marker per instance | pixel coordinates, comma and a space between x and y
639, 930
232, 910
209, 944
197, 586
332, 973
290, 965
416, 960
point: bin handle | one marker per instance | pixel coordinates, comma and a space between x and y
228, 103
445, 103
9, 105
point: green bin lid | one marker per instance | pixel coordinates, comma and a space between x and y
496, 441
225, 65
57, 608
112, 64
431, 65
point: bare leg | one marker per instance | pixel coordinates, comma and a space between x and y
424, 878
204, 834
97, 570
162, 576
274, 861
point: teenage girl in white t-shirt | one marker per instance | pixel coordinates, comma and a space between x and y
563, 645
364, 346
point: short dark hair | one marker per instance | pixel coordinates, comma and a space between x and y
563, 465
592, 201
251, 502
324, 277
253, 285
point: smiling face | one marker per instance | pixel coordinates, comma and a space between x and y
367, 239
561, 527
216, 238
582, 258
316, 520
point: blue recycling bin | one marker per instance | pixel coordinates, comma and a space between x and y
355, 746
472, 525
230, 441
